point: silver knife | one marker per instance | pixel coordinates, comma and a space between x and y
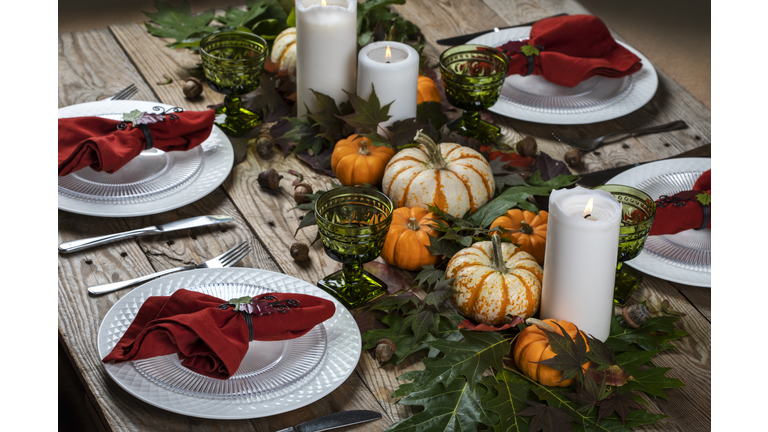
76, 245
458, 40
333, 421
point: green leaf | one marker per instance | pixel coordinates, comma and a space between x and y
455, 407
405, 341
509, 397
650, 381
621, 404
512, 197
431, 112
291, 20
309, 219
547, 418
368, 113
599, 353
704, 198
429, 276
236, 17
652, 335
557, 182
178, 22
327, 115
132, 116
468, 358
422, 322
529, 50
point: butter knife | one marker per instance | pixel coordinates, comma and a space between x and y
333, 421
458, 40
77, 245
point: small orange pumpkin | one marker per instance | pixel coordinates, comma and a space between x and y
355, 162
531, 230
427, 90
408, 237
532, 345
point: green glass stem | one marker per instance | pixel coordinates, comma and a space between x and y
352, 272
627, 282
471, 126
238, 118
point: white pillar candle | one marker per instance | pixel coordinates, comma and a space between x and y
580, 259
326, 51
395, 78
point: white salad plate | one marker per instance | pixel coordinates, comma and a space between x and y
207, 167
342, 340
692, 268
533, 98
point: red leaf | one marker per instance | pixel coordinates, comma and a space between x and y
467, 324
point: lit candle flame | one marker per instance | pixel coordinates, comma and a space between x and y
322, 3
388, 54
588, 208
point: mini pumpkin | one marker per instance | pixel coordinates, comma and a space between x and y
355, 162
530, 230
532, 345
408, 237
284, 50
453, 178
427, 90
493, 280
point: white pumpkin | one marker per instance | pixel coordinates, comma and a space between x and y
493, 280
449, 176
284, 50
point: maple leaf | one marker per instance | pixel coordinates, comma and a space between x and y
431, 112
549, 167
621, 404
441, 247
589, 394
137, 117
368, 113
455, 407
402, 132
704, 198
529, 50
652, 334
651, 381
613, 375
179, 23
599, 353
467, 358
569, 354
507, 396
429, 276
235, 17
332, 127
547, 418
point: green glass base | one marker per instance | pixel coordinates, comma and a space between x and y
239, 122
484, 131
627, 282
352, 296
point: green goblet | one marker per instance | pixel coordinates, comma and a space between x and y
232, 62
638, 212
353, 223
473, 76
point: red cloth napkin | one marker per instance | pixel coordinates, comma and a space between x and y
672, 219
572, 49
209, 340
98, 143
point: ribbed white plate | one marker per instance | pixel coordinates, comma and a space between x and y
597, 99
649, 263
218, 156
342, 355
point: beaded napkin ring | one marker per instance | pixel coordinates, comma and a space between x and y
250, 306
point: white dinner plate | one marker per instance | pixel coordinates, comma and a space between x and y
650, 263
596, 99
218, 156
344, 345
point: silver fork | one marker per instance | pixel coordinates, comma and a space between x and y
593, 143
125, 93
227, 259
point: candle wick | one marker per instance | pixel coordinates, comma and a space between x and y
387, 61
587, 215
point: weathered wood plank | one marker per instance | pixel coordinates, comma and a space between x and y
154, 59
93, 66
700, 297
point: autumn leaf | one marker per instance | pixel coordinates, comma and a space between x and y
589, 394
368, 113
547, 418
327, 115
179, 23
469, 325
529, 50
651, 381
569, 354
704, 198
620, 404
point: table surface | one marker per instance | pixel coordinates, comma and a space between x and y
95, 64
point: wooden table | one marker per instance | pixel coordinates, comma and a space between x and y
97, 63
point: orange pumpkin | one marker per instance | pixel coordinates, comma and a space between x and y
355, 162
408, 237
532, 345
531, 230
427, 90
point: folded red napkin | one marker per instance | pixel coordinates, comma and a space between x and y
570, 49
98, 142
209, 338
684, 210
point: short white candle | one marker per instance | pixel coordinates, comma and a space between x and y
326, 51
580, 260
395, 78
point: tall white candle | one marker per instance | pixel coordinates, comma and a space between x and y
580, 259
326, 51
395, 78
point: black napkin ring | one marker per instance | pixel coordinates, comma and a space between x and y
705, 220
249, 321
531, 62
147, 136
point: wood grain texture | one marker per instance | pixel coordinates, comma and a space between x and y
93, 66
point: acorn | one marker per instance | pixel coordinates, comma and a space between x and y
635, 315
300, 193
269, 179
572, 157
527, 147
385, 348
192, 87
300, 251
265, 143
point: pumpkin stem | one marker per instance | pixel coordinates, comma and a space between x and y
498, 262
433, 150
541, 324
364, 150
413, 224
525, 228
